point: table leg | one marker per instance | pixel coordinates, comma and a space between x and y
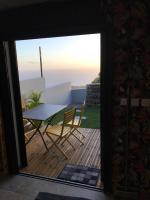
43, 140
37, 131
48, 123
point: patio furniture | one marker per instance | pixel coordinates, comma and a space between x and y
76, 124
62, 131
23, 104
39, 114
27, 129
26, 123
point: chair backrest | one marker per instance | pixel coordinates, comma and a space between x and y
68, 116
23, 104
81, 114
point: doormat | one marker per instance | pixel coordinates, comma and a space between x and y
80, 174
49, 196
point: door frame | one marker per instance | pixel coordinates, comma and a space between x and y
106, 108
106, 85
7, 114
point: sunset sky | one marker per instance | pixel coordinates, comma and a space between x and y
60, 53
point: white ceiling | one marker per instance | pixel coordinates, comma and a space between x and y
6, 4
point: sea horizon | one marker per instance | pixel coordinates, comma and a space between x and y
77, 77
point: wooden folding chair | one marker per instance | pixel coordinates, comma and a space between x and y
26, 123
61, 131
76, 124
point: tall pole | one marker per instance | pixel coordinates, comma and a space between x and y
41, 62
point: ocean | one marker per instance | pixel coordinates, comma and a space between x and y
77, 77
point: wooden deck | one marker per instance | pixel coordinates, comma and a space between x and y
51, 163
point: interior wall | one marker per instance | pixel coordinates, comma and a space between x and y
131, 81
50, 18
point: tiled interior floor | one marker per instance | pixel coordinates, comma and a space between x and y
26, 188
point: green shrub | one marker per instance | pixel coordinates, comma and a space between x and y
97, 79
34, 99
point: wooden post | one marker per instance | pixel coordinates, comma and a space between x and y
41, 62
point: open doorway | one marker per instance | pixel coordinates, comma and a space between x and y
62, 71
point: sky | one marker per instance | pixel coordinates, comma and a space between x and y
78, 54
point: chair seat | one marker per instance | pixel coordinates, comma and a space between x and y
75, 123
56, 130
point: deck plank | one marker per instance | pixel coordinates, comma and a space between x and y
50, 164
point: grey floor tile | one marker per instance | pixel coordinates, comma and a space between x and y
9, 195
51, 187
13, 183
26, 187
